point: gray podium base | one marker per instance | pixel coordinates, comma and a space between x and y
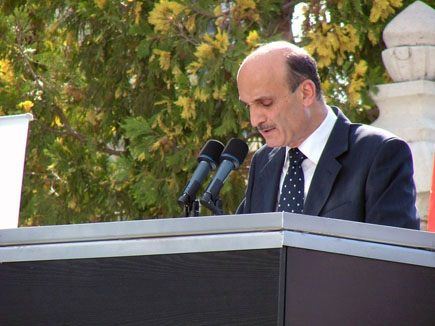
262, 269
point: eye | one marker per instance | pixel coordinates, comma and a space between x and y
267, 102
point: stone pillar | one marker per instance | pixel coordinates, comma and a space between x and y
407, 106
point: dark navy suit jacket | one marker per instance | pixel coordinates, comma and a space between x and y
364, 174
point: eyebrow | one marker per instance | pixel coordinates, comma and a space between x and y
260, 99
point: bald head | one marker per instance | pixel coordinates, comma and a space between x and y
280, 86
285, 57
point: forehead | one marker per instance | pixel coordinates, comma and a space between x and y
262, 76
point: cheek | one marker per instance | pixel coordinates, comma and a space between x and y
284, 117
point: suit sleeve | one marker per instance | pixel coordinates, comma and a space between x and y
245, 205
390, 189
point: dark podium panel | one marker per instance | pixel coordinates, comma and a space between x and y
333, 289
219, 288
259, 269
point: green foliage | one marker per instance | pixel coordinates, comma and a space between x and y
345, 36
125, 93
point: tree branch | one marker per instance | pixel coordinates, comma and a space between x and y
43, 84
84, 140
202, 13
285, 21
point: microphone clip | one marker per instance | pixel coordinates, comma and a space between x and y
215, 205
190, 208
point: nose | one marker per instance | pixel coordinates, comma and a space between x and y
256, 115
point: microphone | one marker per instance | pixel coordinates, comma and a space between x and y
231, 158
207, 159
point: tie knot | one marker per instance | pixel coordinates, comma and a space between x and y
296, 156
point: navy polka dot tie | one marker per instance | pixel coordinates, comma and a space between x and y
292, 191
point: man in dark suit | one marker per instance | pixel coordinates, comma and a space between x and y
347, 171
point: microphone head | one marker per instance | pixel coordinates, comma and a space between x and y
235, 151
211, 152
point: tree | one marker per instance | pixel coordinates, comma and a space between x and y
126, 93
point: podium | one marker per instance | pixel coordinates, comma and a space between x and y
254, 269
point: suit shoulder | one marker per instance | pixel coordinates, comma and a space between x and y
372, 135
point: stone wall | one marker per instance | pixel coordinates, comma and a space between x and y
407, 106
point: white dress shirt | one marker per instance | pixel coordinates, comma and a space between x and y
312, 148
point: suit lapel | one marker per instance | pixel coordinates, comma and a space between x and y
268, 182
328, 167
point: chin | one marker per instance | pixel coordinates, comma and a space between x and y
274, 144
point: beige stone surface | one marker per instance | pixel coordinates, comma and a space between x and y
410, 62
415, 25
407, 106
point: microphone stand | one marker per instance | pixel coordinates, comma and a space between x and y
216, 206
191, 208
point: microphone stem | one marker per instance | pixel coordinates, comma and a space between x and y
215, 205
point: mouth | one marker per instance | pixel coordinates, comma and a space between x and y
265, 130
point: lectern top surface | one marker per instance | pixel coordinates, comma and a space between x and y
225, 224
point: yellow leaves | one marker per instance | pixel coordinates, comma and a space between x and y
155, 146
217, 11
164, 58
57, 122
204, 52
325, 50
325, 27
26, 105
191, 24
220, 93
372, 37
201, 94
161, 125
51, 166
239, 10
245, 9
357, 83
100, 3
141, 157
208, 132
6, 71
188, 106
49, 45
244, 124
382, 9
221, 43
58, 140
53, 27
332, 42
163, 144
164, 15
72, 204
118, 92
91, 117
348, 40
326, 84
361, 68
252, 39
193, 68
137, 11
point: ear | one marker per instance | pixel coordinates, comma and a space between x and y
308, 92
